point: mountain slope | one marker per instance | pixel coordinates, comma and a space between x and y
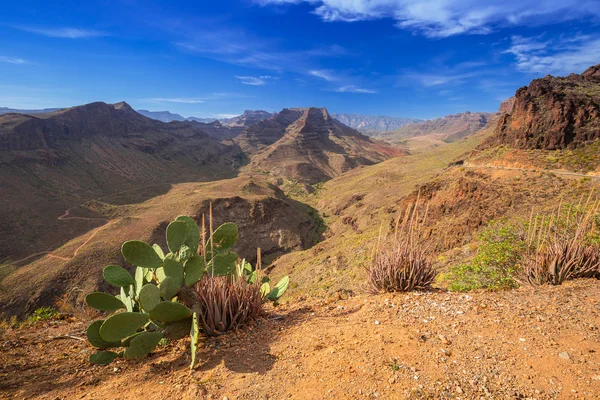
554, 113
368, 123
162, 116
313, 148
65, 158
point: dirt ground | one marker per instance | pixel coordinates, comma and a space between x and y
537, 343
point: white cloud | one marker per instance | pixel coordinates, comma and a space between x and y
353, 89
62, 32
326, 75
184, 100
443, 18
255, 80
558, 56
12, 60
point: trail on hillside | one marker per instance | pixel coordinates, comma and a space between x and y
551, 171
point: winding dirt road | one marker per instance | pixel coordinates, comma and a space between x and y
552, 171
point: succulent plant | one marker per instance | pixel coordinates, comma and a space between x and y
165, 298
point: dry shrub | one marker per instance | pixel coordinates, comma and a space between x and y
402, 263
226, 303
563, 248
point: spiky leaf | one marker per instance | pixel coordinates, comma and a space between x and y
168, 288
224, 264
279, 289
194, 270
117, 276
225, 237
103, 357
140, 254
174, 269
159, 251
193, 237
103, 301
168, 311
149, 297
142, 344
177, 233
93, 335
119, 326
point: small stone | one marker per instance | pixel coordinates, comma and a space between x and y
564, 355
377, 322
225, 398
392, 380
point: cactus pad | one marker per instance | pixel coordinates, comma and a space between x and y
193, 237
149, 297
225, 237
168, 311
279, 289
119, 326
168, 288
142, 344
174, 269
177, 233
93, 335
194, 270
140, 254
103, 357
117, 276
103, 301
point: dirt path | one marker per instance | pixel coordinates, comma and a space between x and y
541, 343
552, 171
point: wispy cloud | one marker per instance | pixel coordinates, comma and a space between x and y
177, 100
353, 89
12, 60
326, 75
62, 32
255, 80
443, 18
559, 56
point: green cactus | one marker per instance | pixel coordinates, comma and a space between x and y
103, 357
119, 326
169, 288
224, 238
177, 233
193, 237
103, 301
194, 335
194, 270
117, 276
149, 297
141, 254
168, 311
174, 269
159, 298
142, 344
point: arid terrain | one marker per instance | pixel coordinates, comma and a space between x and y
536, 343
321, 200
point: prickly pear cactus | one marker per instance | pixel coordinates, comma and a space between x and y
148, 309
251, 276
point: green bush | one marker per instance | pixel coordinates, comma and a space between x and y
42, 314
496, 263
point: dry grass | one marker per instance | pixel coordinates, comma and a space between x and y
404, 264
563, 249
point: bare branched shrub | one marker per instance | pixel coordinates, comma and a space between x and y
227, 302
401, 263
563, 248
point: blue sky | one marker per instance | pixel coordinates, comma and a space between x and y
416, 58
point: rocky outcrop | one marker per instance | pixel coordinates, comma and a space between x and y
553, 113
313, 147
268, 131
507, 105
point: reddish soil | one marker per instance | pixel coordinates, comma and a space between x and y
537, 343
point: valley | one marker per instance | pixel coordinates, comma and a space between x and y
320, 199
